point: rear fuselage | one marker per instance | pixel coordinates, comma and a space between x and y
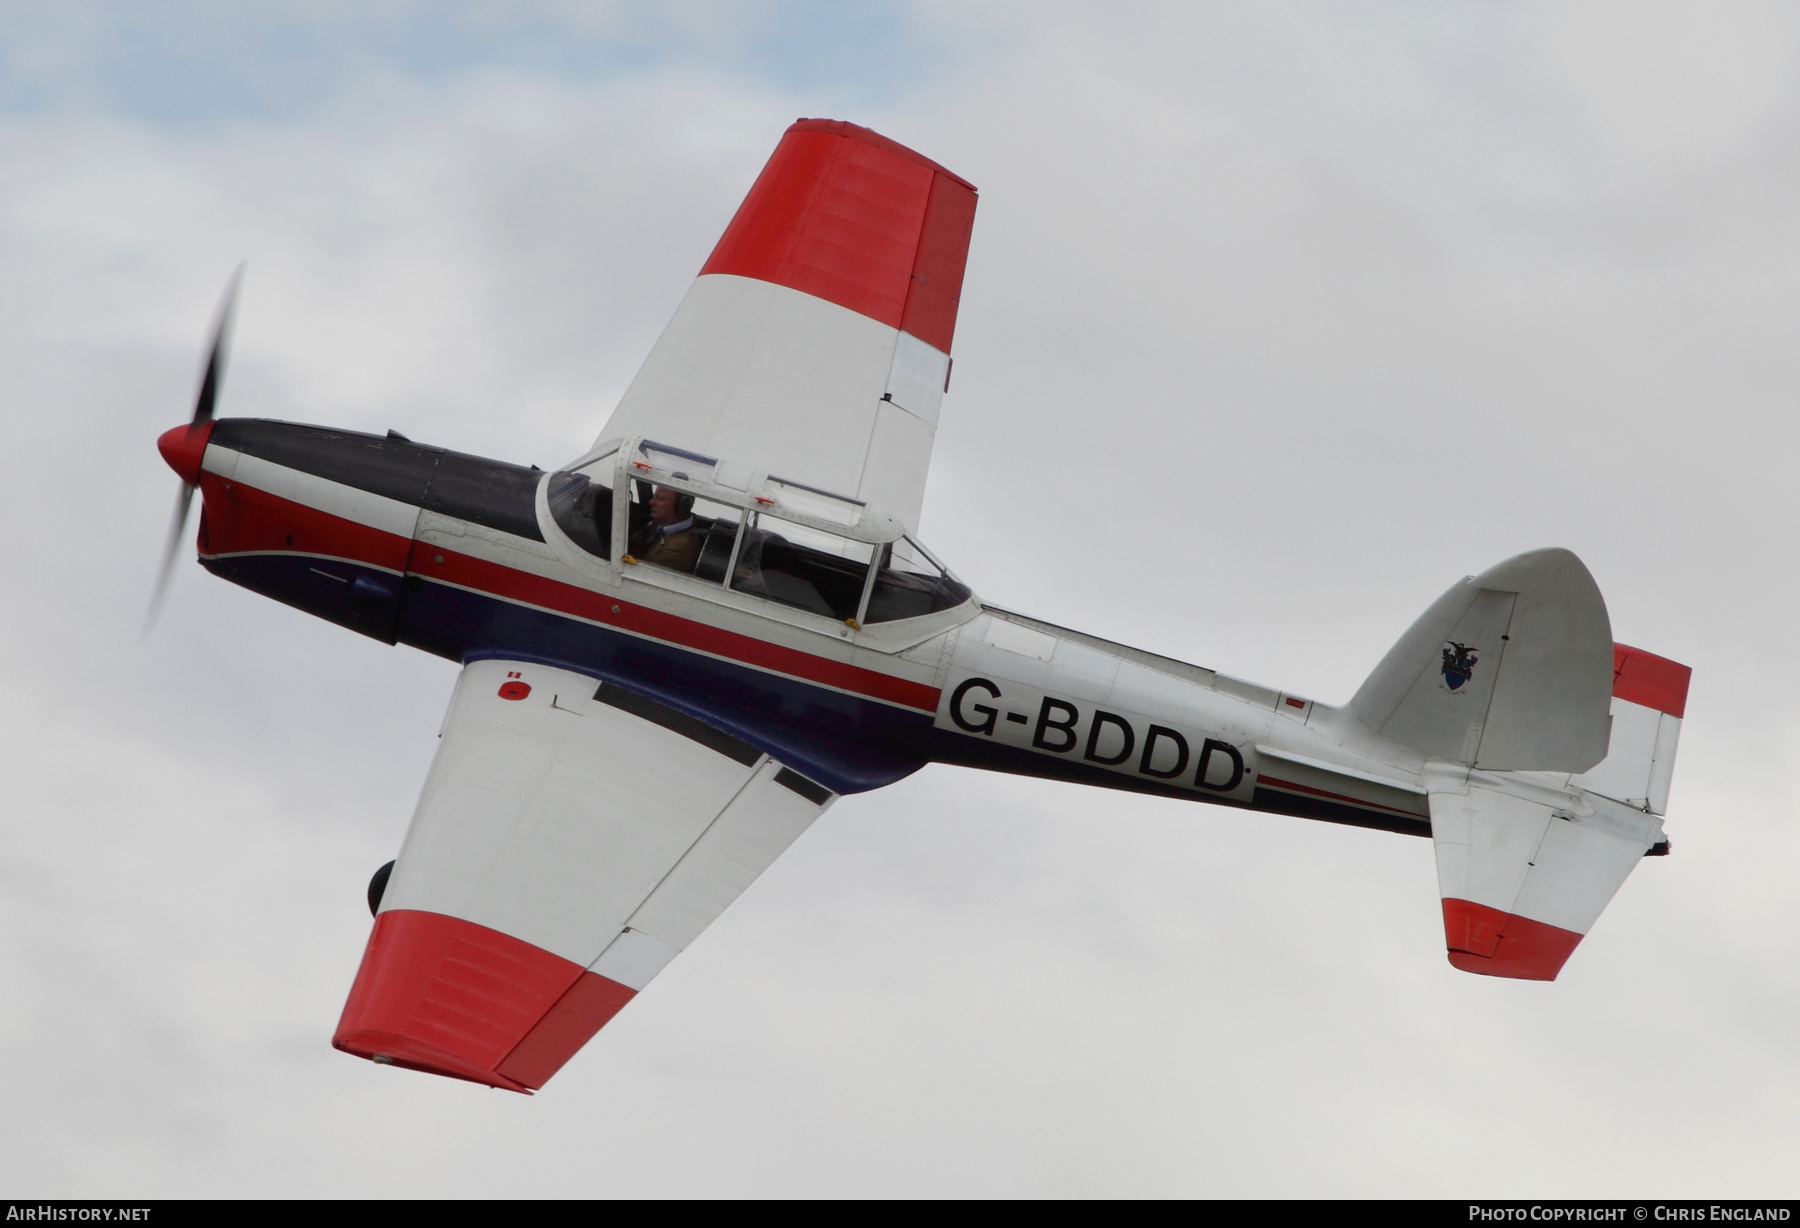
459, 556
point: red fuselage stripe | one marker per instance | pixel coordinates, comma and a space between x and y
514, 585
275, 520
1273, 783
241, 519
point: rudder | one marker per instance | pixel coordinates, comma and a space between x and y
1649, 699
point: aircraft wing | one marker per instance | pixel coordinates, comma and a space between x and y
815, 344
571, 839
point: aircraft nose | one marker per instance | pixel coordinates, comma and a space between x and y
184, 447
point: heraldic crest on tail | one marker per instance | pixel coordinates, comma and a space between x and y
1459, 663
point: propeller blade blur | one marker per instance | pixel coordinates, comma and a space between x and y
217, 353
219, 350
183, 500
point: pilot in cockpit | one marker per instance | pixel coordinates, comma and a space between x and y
669, 539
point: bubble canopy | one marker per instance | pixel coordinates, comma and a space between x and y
640, 501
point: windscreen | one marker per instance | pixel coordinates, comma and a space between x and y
910, 584
581, 504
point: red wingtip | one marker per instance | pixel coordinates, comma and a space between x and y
851, 217
184, 448
869, 136
388, 1049
1489, 942
450, 997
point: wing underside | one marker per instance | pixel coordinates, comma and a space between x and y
571, 839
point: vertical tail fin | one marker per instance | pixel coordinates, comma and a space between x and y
1507, 671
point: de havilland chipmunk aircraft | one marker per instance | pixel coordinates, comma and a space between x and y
680, 648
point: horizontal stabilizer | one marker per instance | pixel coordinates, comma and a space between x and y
1511, 670
1525, 871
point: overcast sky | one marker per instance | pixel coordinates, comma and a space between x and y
1278, 321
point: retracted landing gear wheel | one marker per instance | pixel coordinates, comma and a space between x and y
378, 887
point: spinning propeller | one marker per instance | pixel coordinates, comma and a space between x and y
184, 446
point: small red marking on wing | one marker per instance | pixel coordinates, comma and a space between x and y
514, 690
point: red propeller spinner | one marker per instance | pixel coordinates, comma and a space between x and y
183, 447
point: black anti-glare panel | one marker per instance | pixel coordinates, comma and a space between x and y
487, 492
394, 468
490, 493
